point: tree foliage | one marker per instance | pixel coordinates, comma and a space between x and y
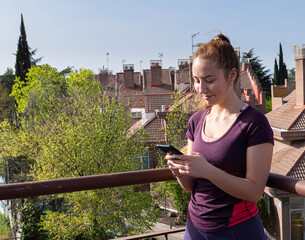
7, 103
276, 73
7, 79
71, 128
263, 212
280, 71
291, 74
23, 56
261, 72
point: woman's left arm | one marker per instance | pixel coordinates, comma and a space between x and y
252, 186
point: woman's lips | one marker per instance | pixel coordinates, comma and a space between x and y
207, 97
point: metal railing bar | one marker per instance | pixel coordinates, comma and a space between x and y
65, 185
153, 234
285, 183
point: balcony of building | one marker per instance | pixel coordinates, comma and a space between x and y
47, 187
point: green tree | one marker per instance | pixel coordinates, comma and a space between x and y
261, 72
7, 103
23, 56
263, 212
276, 73
7, 79
34, 61
281, 66
70, 128
291, 74
282, 69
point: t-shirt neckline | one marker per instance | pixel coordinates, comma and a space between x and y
207, 139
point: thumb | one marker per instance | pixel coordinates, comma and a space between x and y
196, 154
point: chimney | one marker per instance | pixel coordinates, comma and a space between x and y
183, 64
156, 73
128, 75
103, 76
299, 57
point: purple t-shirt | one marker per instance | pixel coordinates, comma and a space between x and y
210, 208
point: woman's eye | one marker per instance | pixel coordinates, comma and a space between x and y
210, 80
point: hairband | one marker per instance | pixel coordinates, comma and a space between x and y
218, 38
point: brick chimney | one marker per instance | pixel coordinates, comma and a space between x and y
156, 73
103, 76
128, 75
183, 64
299, 57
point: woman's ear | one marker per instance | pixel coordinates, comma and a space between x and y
232, 75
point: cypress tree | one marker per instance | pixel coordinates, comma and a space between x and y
23, 57
276, 73
281, 66
285, 72
282, 69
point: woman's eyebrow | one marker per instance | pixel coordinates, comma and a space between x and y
210, 75
207, 76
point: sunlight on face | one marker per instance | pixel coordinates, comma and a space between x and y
210, 81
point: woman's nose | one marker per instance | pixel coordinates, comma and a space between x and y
202, 88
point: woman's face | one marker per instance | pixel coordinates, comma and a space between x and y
210, 81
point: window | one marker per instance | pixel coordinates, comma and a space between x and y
297, 218
136, 115
145, 161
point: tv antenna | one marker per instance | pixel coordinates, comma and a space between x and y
160, 55
107, 54
194, 35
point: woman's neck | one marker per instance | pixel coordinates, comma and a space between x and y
227, 108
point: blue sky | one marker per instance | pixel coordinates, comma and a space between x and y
81, 33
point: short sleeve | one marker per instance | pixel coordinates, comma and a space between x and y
193, 125
259, 131
190, 129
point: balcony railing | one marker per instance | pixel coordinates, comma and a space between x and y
39, 188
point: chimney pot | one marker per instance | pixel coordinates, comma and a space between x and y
299, 52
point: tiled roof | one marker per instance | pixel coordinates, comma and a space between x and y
153, 127
244, 80
134, 97
288, 116
298, 171
135, 127
288, 161
153, 102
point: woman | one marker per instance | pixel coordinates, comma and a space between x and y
229, 155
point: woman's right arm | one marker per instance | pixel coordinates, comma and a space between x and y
186, 182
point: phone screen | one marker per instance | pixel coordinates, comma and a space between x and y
169, 149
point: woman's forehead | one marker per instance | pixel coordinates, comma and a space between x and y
205, 65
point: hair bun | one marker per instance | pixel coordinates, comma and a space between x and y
221, 37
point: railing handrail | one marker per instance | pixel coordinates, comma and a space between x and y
74, 184
65, 185
153, 234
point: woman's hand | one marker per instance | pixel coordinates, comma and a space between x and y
194, 165
171, 166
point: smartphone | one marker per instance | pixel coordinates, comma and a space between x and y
169, 149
